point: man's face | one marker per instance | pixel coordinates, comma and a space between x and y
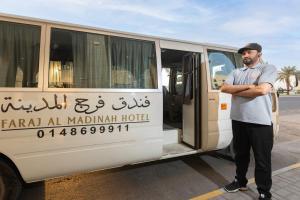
250, 57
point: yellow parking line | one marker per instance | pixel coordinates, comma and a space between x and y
219, 192
297, 165
252, 180
209, 195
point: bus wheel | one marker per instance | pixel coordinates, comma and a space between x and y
10, 184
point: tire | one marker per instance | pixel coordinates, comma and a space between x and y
10, 183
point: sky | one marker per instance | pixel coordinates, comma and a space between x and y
275, 24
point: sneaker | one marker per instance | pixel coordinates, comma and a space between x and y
234, 187
263, 197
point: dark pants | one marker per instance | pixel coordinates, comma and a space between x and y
260, 138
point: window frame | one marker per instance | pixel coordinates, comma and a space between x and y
94, 31
41, 54
209, 80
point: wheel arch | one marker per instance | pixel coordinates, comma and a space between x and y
11, 164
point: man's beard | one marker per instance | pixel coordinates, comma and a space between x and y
248, 61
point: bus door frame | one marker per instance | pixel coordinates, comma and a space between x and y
194, 128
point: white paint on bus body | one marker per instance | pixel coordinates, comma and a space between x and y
224, 121
54, 134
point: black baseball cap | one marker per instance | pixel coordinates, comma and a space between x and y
251, 46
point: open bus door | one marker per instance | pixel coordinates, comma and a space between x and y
191, 100
181, 96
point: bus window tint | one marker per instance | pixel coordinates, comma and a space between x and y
78, 60
86, 60
19, 54
133, 63
221, 63
238, 60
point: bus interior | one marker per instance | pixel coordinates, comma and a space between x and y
179, 75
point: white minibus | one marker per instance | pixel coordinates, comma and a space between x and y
76, 99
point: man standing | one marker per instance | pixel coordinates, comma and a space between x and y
251, 114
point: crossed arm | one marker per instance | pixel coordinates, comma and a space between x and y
249, 91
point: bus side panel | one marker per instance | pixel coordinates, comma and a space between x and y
54, 134
219, 131
275, 114
224, 121
44, 165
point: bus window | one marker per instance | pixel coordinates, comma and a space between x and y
78, 60
87, 60
137, 58
221, 63
19, 54
238, 60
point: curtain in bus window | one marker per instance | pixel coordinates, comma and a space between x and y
97, 61
78, 60
85, 60
91, 67
133, 63
61, 59
19, 55
79, 55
